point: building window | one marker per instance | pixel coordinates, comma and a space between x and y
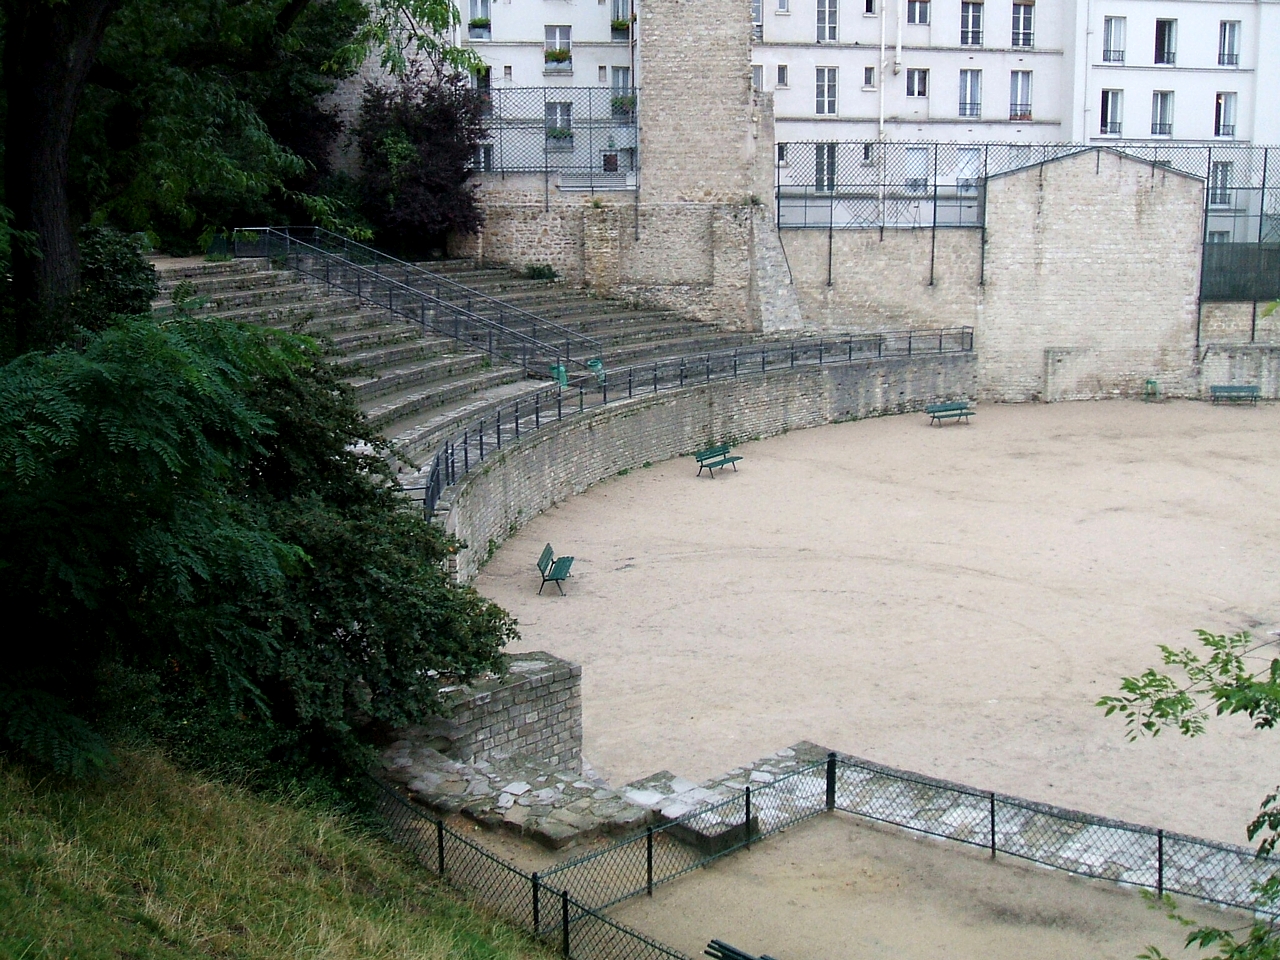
917, 11
971, 24
868, 154
824, 167
782, 75
784, 6
557, 52
827, 20
506, 73
621, 80
869, 8
970, 93
1162, 113
868, 78
826, 92
1167, 41
757, 76
1023, 33
1219, 236
917, 162
782, 154
1020, 95
1224, 115
559, 126
917, 83
757, 19
1220, 183
478, 25
1112, 112
1113, 40
1229, 43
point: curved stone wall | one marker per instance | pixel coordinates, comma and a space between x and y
566, 457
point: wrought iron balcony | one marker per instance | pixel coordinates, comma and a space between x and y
1113, 56
1019, 111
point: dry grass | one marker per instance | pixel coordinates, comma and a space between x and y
156, 863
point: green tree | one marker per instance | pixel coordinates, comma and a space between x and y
201, 507
51, 50
1228, 675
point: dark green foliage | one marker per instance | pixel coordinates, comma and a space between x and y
115, 279
417, 140
200, 506
540, 271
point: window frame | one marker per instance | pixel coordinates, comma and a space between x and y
1112, 104
1111, 26
826, 79
1023, 36
914, 9
1166, 54
783, 77
1162, 113
971, 84
1228, 43
824, 167
918, 82
1020, 95
971, 13
828, 24
1225, 105
868, 78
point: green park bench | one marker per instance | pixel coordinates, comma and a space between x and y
1244, 393
951, 410
719, 950
714, 457
553, 569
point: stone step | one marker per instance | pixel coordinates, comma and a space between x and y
412, 376
418, 437
218, 284
178, 268
373, 336
387, 356
393, 408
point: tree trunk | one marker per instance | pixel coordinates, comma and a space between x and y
48, 51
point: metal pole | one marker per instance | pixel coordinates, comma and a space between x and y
537, 919
649, 859
466, 452
746, 824
993, 826
480, 431
1159, 863
440, 847
564, 922
831, 781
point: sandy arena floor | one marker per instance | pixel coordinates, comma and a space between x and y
949, 600
838, 889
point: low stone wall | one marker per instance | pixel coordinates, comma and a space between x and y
567, 457
1241, 364
533, 710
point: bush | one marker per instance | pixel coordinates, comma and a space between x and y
417, 142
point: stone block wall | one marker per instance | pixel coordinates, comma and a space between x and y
565, 458
534, 710
1241, 364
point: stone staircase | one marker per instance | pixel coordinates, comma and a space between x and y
417, 389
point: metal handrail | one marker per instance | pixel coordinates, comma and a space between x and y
588, 347
497, 338
502, 422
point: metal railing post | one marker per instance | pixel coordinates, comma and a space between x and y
440, 847
648, 858
1159, 863
537, 920
746, 823
831, 781
992, 798
564, 922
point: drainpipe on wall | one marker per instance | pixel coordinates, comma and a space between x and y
897, 53
883, 63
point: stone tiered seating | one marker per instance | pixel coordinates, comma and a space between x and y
419, 389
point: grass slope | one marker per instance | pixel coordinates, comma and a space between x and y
154, 863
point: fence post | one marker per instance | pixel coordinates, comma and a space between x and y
516, 417
497, 428
559, 403
629, 383
580, 397
537, 419
537, 919
440, 847
564, 922
993, 826
831, 781
466, 452
648, 857
1159, 863
655, 378
746, 824
480, 431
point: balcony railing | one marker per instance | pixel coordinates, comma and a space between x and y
1110, 128
970, 109
1113, 56
1022, 38
1168, 58
557, 60
559, 139
970, 38
1161, 129
1225, 130
1228, 59
1019, 111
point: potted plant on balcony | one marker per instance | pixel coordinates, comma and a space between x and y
558, 57
621, 28
478, 28
624, 106
559, 138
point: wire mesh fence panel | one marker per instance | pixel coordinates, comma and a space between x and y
487, 879
592, 935
918, 805
599, 880
1218, 873
1080, 845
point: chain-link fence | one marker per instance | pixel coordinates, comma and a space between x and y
586, 135
873, 184
565, 903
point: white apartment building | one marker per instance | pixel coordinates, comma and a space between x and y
1022, 71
